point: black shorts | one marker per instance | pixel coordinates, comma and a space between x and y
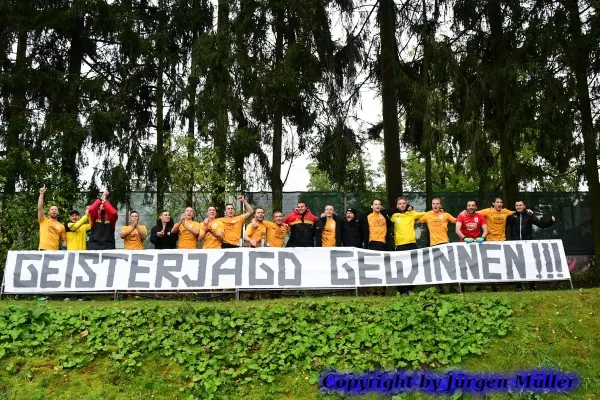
228, 246
403, 247
379, 246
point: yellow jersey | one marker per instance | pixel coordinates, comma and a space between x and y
186, 239
232, 229
437, 223
76, 234
51, 232
134, 241
210, 241
404, 227
496, 223
276, 233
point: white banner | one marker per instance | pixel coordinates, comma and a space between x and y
275, 268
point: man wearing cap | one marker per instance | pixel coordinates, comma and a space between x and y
352, 233
77, 229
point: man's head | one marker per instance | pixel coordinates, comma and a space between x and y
498, 203
350, 214
259, 214
401, 203
436, 204
301, 207
74, 216
189, 213
520, 206
376, 205
329, 211
471, 206
53, 212
229, 211
134, 217
165, 217
211, 212
278, 217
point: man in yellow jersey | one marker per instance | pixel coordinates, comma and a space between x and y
212, 231
187, 230
233, 224
256, 232
437, 223
51, 231
76, 230
329, 229
276, 230
134, 234
375, 226
405, 237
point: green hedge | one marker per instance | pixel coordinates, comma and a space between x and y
223, 347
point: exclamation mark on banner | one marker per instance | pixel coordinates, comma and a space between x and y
549, 265
557, 260
538, 259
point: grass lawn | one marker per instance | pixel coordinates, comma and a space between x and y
548, 329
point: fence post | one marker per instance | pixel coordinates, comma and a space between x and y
4, 277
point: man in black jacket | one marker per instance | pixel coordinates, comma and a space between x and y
521, 228
161, 235
352, 232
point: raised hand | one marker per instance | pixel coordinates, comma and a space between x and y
553, 218
43, 189
241, 198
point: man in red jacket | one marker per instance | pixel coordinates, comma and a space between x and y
302, 227
103, 218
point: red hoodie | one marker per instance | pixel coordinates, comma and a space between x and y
102, 235
302, 228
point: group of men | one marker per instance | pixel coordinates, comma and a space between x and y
376, 229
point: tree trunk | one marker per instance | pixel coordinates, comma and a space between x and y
191, 133
276, 183
73, 135
17, 120
501, 80
506, 136
426, 145
222, 122
391, 134
579, 58
160, 122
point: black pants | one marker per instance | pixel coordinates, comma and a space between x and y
379, 246
228, 246
404, 247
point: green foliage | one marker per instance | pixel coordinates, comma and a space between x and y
224, 349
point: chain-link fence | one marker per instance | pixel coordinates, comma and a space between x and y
572, 211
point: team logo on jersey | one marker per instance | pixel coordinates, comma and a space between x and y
233, 221
397, 219
442, 216
214, 225
476, 219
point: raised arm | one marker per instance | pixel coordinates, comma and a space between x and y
247, 207
111, 213
74, 227
175, 228
93, 211
40, 205
543, 223
142, 232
